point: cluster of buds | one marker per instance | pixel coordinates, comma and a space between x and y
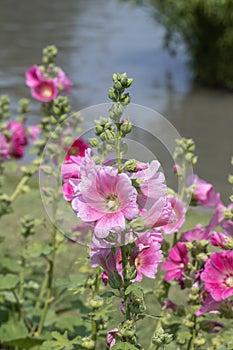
120, 83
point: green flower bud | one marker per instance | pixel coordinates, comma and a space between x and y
115, 280
98, 129
108, 135
199, 340
112, 94
96, 303
93, 142
126, 127
162, 338
88, 343
128, 329
130, 165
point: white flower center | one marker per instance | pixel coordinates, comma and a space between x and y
229, 281
113, 203
46, 92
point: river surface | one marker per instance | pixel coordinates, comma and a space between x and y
98, 37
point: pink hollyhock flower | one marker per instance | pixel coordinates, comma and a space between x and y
152, 184
18, 139
160, 214
203, 193
105, 258
3, 148
197, 234
70, 169
45, 91
104, 198
218, 275
77, 148
146, 256
62, 81
111, 337
34, 132
218, 218
176, 262
168, 304
179, 210
34, 75
104, 278
176, 168
67, 190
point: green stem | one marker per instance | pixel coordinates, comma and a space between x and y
118, 147
191, 344
22, 273
19, 187
124, 273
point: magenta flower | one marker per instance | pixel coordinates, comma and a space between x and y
34, 76
152, 184
218, 275
176, 262
197, 234
218, 239
209, 306
18, 139
45, 91
146, 256
104, 198
179, 210
105, 258
77, 148
3, 148
168, 304
203, 193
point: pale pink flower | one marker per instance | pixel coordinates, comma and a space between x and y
70, 169
146, 256
209, 306
160, 214
45, 91
34, 75
203, 193
152, 184
199, 233
3, 148
62, 81
218, 218
105, 258
176, 262
18, 139
218, 275
111, 337
179, 210
34, 132
105, 198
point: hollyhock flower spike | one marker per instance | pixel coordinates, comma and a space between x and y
218, 275
18, 139
176, 262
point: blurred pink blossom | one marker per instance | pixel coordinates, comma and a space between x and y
203, 192
176, 262
179, 210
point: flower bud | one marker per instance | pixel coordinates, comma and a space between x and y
93, 142
88, 343
128, 329
130, 165
115, 280
126, 127
96, 303
99, 129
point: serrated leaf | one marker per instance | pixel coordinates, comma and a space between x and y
136, 289
60, 342
12, 330
124, 346
183, 336
8, 282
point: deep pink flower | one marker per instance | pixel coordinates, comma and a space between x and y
3, 148
18, 139
203, 193
34, 75
45, 91
197, 234
104, 278
176, 262
218, 275
34, 132
68, 191
179, 210
176, 168
168, 304
62, 81
146, 256
104, 198
77, 148
152, 184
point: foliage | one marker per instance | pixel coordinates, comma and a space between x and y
205, 26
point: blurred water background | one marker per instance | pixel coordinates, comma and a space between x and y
97, 38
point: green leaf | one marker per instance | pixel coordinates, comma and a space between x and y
8, 282
38, 249
136, 289
9, 264
183, 336
25, 343
60, 342
12, 330
124, 346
